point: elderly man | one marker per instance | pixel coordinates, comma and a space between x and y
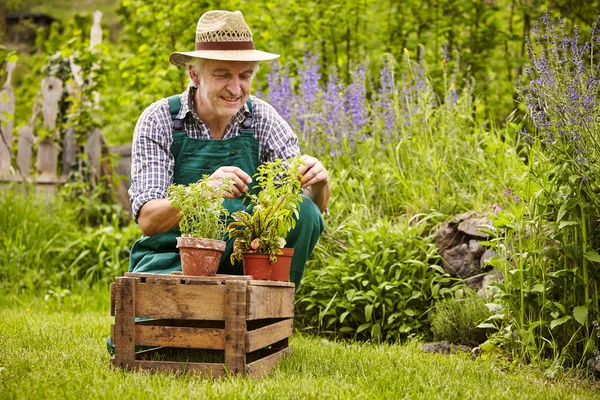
215, 127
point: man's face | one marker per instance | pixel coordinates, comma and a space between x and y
224, 87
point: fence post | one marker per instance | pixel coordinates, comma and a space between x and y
7, 111
93, 147
47, 156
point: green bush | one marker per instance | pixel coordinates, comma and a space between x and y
456, 319
376, 279
44, 246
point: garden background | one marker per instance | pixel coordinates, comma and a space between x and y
421, 110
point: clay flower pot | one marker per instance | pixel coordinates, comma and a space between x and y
258, 265
200, 257
280, 270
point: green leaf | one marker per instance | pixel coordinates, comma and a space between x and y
564, 224
486, 325
561, 212
559, 321
580, 314
368, 312
592, 255
363, 327
537, 288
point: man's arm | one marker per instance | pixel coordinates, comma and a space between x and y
157, 216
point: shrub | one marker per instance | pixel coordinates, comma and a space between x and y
377, 281
547, 243
455, 319
44, 246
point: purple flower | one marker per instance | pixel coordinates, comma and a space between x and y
355, 99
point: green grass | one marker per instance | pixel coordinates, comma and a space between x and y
57, 351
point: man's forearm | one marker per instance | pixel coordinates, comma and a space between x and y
319, 194
157, 216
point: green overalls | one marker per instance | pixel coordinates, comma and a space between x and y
194, 157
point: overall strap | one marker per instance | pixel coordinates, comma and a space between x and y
174, 107
246, 125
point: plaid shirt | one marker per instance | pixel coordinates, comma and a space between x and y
152, 163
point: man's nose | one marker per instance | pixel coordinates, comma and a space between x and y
234, 85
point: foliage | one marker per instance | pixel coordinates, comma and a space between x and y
375, 279
201, 207
547, 242
404, 153
45, 246
274, 210
456, 319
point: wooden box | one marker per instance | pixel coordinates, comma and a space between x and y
242, 324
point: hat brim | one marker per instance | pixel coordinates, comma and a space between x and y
182, 58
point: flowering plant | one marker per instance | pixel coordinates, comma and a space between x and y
201, 208
274, 211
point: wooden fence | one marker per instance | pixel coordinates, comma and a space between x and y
50, 170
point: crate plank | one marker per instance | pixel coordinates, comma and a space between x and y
180, 301
210, 370
269, 334
270, 302
260, 367
235, 326
171, 336
112, 300
124, 339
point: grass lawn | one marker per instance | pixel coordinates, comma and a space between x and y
52, 349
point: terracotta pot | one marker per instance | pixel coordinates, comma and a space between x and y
200, 257
258, 265
280, 270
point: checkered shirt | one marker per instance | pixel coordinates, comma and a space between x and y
152, 163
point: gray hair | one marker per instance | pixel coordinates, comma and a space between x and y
197, 65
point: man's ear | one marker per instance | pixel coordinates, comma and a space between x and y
193, 76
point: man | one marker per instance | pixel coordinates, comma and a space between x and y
215, 127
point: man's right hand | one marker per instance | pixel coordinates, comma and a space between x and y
239, 179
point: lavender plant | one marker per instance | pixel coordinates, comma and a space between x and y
400, 154
548, 243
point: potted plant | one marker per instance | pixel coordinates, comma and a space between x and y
260, 234
202, 225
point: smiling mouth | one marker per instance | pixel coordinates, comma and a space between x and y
231, 100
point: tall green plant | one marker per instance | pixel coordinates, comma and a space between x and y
548, 243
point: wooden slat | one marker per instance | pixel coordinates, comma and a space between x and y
112, 299
172, 336
7, 111
272, 283
210, 370
47, 161
180, 301
235, 326
269, 334
260, 367
124, 339
25, 150
178, 278
270, 302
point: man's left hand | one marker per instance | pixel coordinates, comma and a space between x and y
313, 172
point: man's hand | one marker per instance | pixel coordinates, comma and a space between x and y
314, 173
315, 180
239, 180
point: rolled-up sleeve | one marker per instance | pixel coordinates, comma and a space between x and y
152, 163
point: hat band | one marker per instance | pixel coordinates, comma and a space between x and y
225, 45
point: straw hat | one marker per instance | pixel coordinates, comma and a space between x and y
222, 35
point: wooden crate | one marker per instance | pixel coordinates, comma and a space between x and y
243, 323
